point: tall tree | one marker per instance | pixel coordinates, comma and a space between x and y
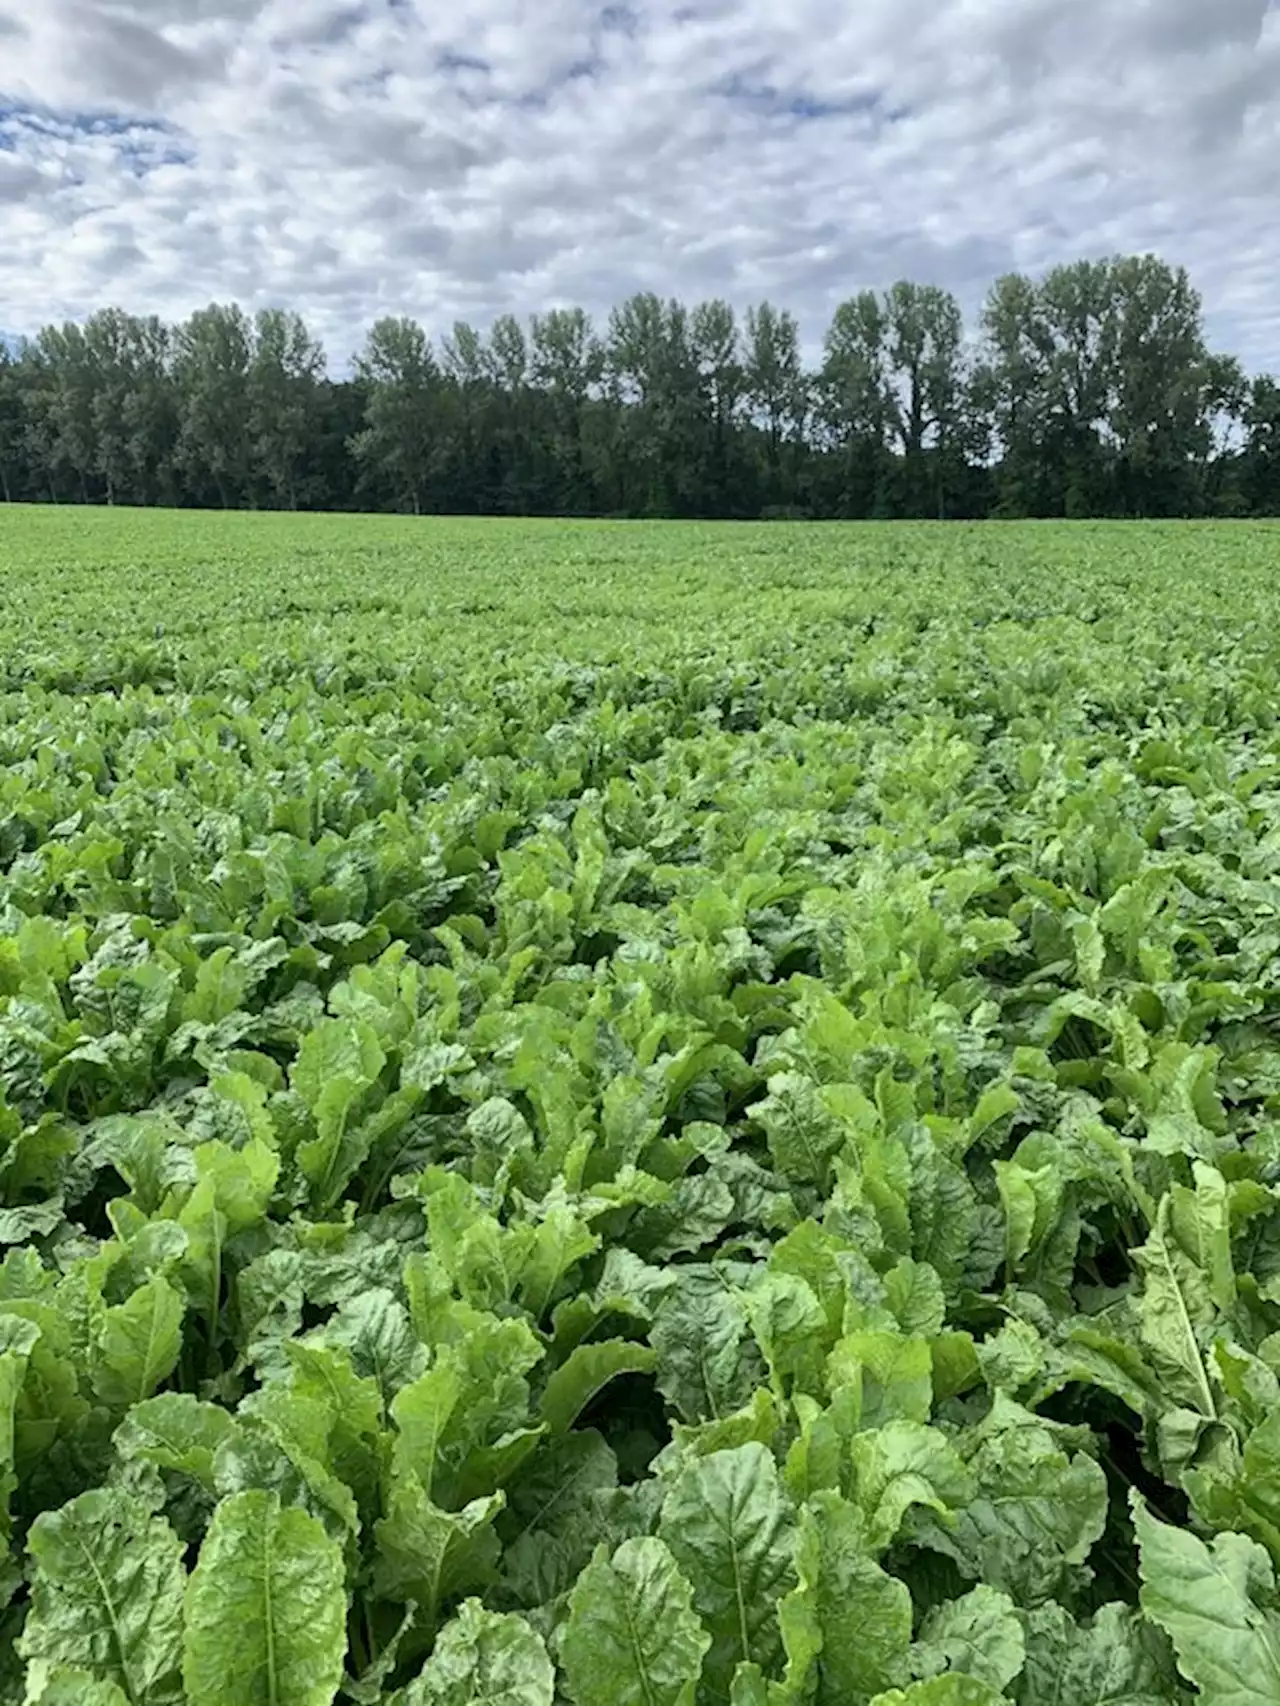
684, 428
566, 366
857, 403
777, 397
1051, 351
108, 351
152, 411
506, 360
1088, 391
717, 355
63, 422
339, 477
400, 444
286, 372
1166, 388
13, 425
1260, 474
212, 357
1007, 394
1224, 396
634, 351
470, 476
925, 338
1078, 317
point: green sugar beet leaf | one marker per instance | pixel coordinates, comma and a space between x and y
554, 1503
67, 1687
1036, 1511
177, 1432
729, 1527
1119, 1659
424, 1554
266, 1609
950, 1690
485, 1658
1216, 1603
847, 1626
977, 1635
802, 1131
139, 1345
902, 1465
107, 1584
633, 1637
337, 1065
708, 1364
585, 1372
17, 1339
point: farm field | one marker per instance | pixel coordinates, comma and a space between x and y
638, 1114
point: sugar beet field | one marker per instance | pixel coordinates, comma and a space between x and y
638, 1115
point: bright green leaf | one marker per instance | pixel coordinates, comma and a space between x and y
484, 1658
107, 1595
633, 1637
266, 1609
727, 1523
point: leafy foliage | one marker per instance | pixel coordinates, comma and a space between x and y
575, 1131
1090, 390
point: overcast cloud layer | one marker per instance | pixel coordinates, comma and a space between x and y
360, 157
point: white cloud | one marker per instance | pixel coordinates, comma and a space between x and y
357, 157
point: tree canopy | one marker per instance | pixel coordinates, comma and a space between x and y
1089, 391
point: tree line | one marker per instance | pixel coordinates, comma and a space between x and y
1090, 391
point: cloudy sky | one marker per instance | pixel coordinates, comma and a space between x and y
456, 158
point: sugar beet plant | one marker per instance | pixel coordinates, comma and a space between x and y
638, 1118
